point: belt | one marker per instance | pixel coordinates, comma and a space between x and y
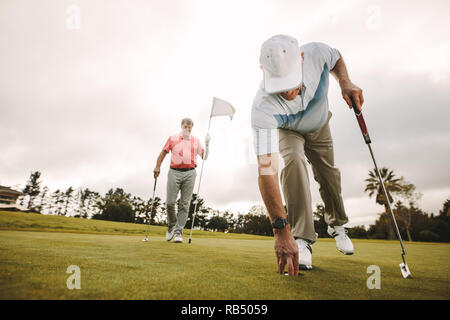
183, 169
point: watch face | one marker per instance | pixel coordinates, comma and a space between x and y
279, 223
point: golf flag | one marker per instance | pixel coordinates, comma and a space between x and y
222, 108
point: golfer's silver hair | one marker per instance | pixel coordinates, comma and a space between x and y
187, 121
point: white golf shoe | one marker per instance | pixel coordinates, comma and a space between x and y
343, 242
169, 233
304, 254
178, 238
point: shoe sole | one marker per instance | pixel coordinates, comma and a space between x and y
178, 241
346, 253
305, 267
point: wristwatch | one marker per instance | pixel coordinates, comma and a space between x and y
279, 223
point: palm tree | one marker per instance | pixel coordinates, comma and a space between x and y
392, 184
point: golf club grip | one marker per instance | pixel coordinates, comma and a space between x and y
361, 122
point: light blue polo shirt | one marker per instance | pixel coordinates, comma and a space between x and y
308, 112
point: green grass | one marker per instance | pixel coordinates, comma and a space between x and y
116, 264
37, 222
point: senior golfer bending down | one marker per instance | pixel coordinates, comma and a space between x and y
290, 115
181, 177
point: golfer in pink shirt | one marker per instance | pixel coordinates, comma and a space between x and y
181, 177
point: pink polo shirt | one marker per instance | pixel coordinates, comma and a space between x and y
184, 151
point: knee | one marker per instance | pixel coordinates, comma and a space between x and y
293, 157
184, 204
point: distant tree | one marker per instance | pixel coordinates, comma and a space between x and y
256, 221
116, 206
54, 196
217, 223
68, 200
59, 202
238, 223
445, 212
153, 206
357, 232
411, 196
139, 209
258, 210
258, 224
440, 225
160, 217
146, 211
428, 236
419, 221
200, 218
94, 200
392, 185
382, 227
83, 204
319, 221
230, 218
116, 211
403, 216
43, 202
32, 189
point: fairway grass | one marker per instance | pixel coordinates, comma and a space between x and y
118, 265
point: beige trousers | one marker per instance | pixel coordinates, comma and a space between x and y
317, 147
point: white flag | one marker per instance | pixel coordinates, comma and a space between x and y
222, 108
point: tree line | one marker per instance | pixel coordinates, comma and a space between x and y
118, 205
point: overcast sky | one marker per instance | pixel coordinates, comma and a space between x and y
91, 90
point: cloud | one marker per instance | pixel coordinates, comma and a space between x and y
93, 107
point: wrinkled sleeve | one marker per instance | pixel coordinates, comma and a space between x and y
265, 141
168, 146
265, 133
326, 53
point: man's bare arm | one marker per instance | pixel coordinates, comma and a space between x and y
347, 87
159, 161
269, 186
286, 248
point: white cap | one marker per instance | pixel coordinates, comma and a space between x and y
282, 64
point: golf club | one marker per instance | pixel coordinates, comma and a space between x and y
149, 220
362, 125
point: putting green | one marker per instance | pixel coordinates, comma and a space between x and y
214, 266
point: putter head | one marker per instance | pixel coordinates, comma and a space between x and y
145, 239
189, 240
405, 270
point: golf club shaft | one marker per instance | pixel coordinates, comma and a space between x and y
365, 133
387, 200
153, 201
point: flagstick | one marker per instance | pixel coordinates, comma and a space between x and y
198, 189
